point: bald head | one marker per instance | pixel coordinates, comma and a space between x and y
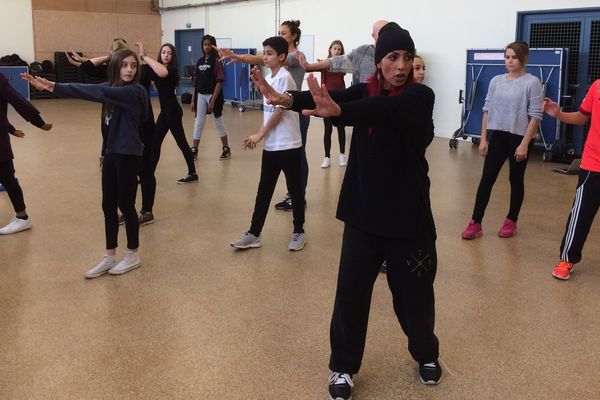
376, 27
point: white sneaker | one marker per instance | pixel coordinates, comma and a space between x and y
247, 241
342, 160
16, 225
326, 162
130, 261
107, 263
298, 241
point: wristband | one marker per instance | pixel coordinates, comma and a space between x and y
290, 102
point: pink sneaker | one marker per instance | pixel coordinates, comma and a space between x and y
472, 231
509, 228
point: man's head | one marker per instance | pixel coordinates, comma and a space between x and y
376, 27
275, 51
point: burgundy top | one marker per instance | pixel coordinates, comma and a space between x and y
333, 80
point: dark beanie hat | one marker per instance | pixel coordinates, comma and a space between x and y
392, 37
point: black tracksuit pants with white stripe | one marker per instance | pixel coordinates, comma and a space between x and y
585, 207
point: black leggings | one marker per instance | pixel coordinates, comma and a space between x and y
171, 120
119, 187
146, 172
502, 146
7, 178
327, 137
411, 269
273, 162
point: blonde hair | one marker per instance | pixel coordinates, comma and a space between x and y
118, 44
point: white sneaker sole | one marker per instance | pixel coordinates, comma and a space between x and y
97, 274
250, 246
113, 271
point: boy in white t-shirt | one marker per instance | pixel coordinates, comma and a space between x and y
282, 152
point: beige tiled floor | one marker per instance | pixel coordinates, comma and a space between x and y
201, 321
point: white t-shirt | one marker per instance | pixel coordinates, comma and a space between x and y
286, 134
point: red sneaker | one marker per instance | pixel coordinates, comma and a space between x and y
562, 270
509, 228
472, 231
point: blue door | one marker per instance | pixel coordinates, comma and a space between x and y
189, 50
579, 31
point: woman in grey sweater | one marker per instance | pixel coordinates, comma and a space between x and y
511, 115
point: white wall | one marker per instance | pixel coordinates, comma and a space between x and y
442, 31
16, 29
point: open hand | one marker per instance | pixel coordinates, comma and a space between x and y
272, 96
38, 82
140, 45
226, 54
324, 105
550, 107
251, 141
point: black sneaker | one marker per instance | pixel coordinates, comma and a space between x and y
121, 219
189, 178
226, 153
283, 204
383, 268
194, 153
430, 373
340, 386
146, 218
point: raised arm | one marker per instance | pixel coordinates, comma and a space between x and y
21, 105
231, 57
158, 68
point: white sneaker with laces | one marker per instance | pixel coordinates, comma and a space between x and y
16, 225
326, 162
298, 241
247, 241
107, 263
342, 160
129, 262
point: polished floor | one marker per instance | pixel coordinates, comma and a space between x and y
201, 321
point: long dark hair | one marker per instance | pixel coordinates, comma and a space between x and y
213, 42
294, 27
338, 42
114, 74
174, 63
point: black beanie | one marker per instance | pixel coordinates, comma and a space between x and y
392, 37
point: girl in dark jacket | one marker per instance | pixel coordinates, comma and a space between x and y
384, 203
125, 107
8, 95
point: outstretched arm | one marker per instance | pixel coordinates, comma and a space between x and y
21, 105
553, 109
232, 57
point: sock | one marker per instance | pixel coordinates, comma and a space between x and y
25, 217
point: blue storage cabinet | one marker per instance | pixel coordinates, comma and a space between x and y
549, 65
236, 88
13, 74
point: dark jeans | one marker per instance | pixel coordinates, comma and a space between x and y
502, 146
585, 207
119, 187
172, 121
411, 269
7, 178
273, 162
327, 137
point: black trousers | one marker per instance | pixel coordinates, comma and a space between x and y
7, 178
171, 120
502, 146
273, 162
411, 269
119, 188
304, 122
585, 207
327, 137
146, 171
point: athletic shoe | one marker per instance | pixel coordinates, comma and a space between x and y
285, 203
509, 228
298, 241
562, 270
2, 188
226, 153
247, 241
121, 219
472, 231
146, 218
188, 178
326, 162
129, 262
16, 225
342, 160
430, 373
340, 386
107, 263
194, 153
383, 268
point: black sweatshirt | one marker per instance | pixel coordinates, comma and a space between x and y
8, 95
385, 190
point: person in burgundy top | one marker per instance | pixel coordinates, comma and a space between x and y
8, 95
334, 81
587, 195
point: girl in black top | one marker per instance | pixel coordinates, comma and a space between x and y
125, 107
384, 203
170, 110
